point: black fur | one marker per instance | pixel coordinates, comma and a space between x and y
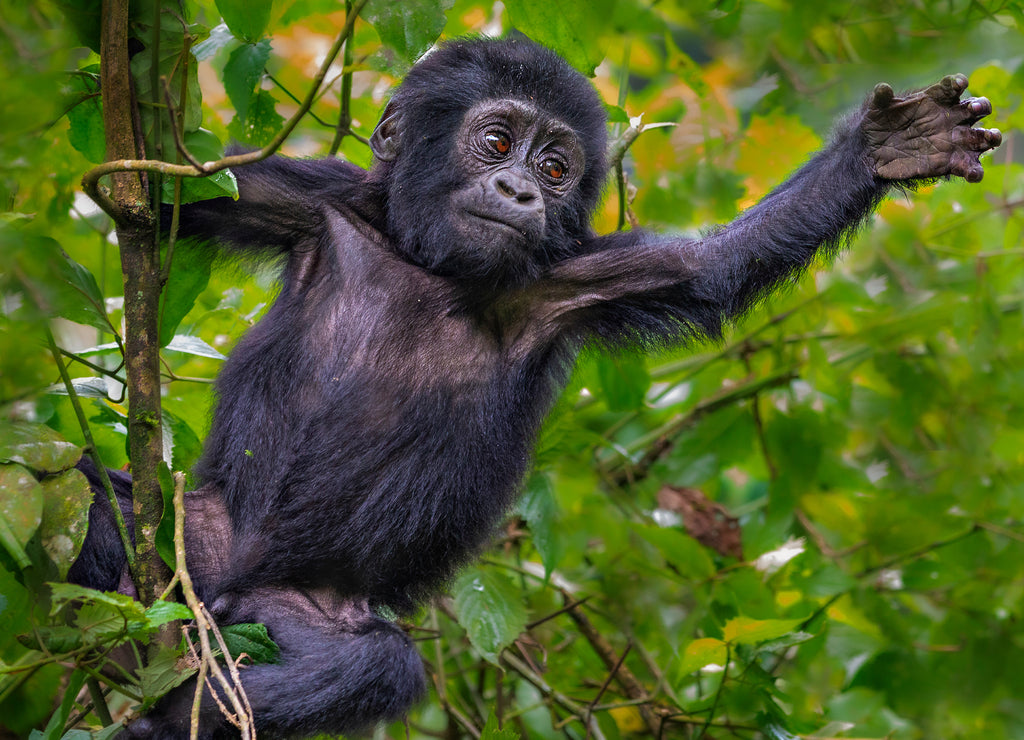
372, 430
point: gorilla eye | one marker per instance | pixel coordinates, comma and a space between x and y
498, 141
553, 169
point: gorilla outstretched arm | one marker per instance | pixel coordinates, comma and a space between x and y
373, 428
637, 285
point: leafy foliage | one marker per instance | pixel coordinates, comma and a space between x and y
813, 529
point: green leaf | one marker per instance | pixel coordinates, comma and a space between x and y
251, 639
56, 640
687, 555
86, 133
174, 62
492, 732
21, 510
700, 653
261, 124
247, 19
163, 673
540, 510
490, 609
220, 38
187, 445
86, 305
63, 594
86, 18
15, 609
37, 447
66, 501
746, 631
193, 346
409, 27
205, 147
164, 539
243, 73
189, 276
572, 28
162, 612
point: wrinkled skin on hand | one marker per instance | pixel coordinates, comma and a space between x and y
927, 133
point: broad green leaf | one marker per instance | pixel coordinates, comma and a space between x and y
250, 639
56, 640
85, 18
243, 72
164, 672
409, 28
688, 556
193, 346
86, 132
490, 609
88, 307
187, 445
540, 510
162, 612
189, 276
164, 538
205, 147
37, 447
66, 593
746, 631
220, 38
247, 19
84, 388
701, 653
15, 609
66, 501
573, 28
174, 62
21, 510
262, 122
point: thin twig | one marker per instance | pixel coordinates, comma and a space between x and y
91, 179
234, 692
101, 469
605, 685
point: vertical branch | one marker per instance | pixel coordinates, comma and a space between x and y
620, 177
344, 127
140, 268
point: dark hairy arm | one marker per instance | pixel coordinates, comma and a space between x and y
639, 286
278, 206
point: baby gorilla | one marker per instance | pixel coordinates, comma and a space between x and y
372, 430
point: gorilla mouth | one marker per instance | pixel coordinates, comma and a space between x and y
493, 221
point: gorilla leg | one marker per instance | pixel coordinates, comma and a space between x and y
339, 664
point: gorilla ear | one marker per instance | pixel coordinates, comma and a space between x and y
386, 138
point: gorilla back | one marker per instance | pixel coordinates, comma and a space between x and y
372, 429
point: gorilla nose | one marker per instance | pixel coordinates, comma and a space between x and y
515, 187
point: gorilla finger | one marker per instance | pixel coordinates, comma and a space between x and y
974, 109
882, 96
948, 90
967, 166
977, 139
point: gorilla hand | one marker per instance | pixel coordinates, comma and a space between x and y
927, 133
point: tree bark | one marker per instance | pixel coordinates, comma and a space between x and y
140, 267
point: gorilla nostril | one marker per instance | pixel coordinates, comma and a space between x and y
515, 188
505, 189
